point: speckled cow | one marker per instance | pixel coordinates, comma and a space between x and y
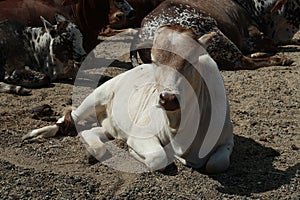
242, 27
35, 56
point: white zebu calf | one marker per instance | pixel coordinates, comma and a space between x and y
163, 111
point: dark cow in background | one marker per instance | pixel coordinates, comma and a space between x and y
118, 20
35, 56
91, 16
241, 27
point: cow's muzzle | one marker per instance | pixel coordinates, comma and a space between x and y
169, 101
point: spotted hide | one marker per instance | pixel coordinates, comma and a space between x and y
91, 16
35, 56
241, 27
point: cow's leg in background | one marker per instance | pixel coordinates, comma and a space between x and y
222, 50
28, 78
13, 89
229, 57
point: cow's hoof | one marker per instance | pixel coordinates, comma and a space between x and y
90, 159
287, 62
22, 91
217, 164
281, 61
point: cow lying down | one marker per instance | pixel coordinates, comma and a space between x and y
175, 108
242, 28
35, 56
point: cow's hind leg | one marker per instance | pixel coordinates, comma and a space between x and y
229, 57
92, 107
148, 151
64, 125
28, 78
13, 89
220, 159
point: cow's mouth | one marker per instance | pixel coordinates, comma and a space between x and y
169, 101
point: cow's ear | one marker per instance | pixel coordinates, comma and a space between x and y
60, 18
46, 23
69, 2
48, 26
206, 39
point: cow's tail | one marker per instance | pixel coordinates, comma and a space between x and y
13, 89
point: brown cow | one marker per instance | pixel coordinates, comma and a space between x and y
89, 15
242, 27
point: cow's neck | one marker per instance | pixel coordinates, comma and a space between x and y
39, 40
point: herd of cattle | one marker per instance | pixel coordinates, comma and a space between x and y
42, 41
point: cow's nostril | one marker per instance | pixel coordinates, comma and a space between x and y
167, 97
169, 101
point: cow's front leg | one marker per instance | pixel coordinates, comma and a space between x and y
148, 151
94, 140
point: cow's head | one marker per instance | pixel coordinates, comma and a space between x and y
176, 52
65, 47
119, 12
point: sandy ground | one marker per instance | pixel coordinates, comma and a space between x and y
265, 164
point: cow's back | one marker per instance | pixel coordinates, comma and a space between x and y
230, 18
29, 11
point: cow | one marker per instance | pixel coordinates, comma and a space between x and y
242, 27
118, 20
161, 110
91, 16
35, 56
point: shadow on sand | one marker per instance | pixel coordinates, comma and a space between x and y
252, 169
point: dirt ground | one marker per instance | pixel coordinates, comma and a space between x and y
265, 164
